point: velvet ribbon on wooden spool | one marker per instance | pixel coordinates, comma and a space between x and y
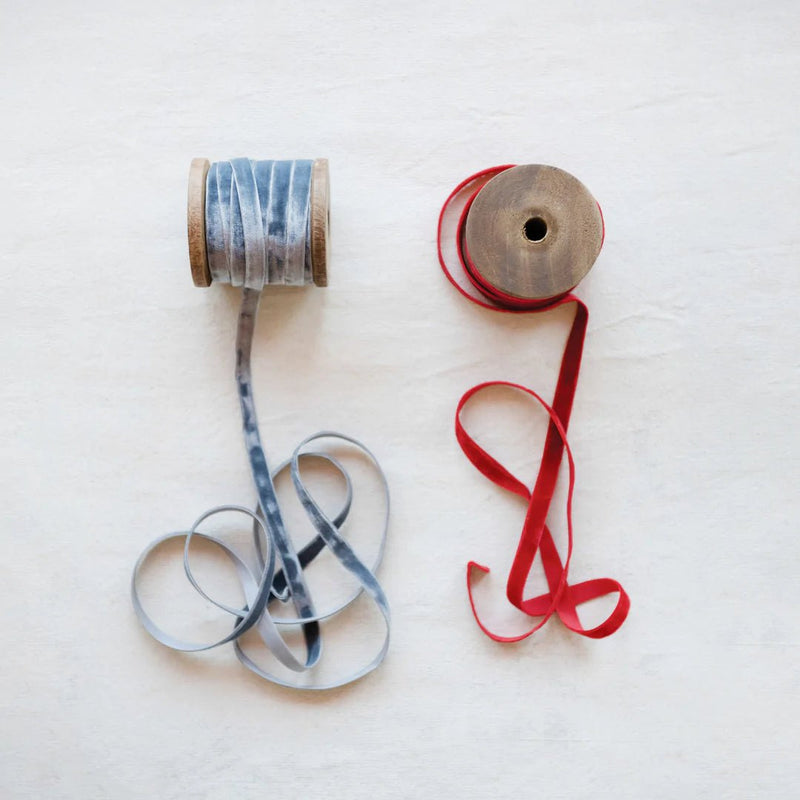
255, 224
524, 237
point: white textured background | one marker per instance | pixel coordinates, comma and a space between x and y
119, 417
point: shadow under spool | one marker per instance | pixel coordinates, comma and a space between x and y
196, 222
533, 232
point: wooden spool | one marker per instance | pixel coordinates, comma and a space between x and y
196, 221
533, 232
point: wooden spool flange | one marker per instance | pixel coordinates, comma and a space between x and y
533, 232
196, 221
320, 221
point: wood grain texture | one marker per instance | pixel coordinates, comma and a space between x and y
196, 222
568, 232
320, 221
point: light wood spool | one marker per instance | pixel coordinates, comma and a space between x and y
533, 232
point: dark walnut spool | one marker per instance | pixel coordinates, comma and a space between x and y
533, 232
196, 221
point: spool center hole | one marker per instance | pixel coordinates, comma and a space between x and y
535, 229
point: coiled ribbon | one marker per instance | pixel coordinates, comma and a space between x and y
258, 223
562, 598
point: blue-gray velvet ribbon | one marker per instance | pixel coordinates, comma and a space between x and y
258, 222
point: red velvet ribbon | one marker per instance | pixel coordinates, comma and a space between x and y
562, 598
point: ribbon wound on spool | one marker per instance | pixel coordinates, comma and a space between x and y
258, 230
561, 598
